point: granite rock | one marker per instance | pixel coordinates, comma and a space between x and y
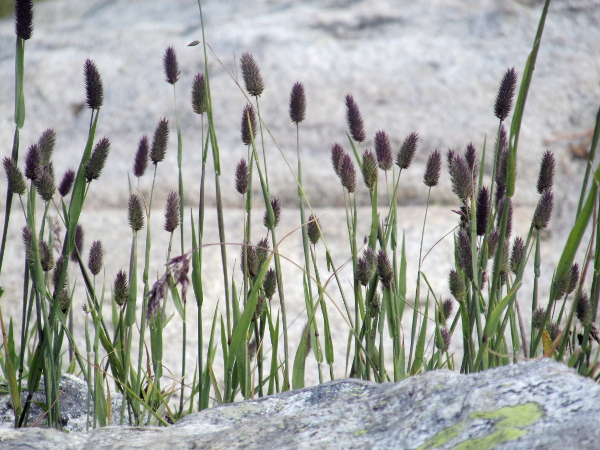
540, 404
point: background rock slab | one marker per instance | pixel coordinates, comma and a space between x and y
540, 404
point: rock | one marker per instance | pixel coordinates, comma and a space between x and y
432, 66
73, 406
539, 404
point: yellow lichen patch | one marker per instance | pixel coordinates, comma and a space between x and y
510, 424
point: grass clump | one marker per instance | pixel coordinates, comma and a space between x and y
251, 339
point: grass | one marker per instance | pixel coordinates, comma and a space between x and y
250, 340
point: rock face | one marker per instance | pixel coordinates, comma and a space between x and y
540, 404
432, 66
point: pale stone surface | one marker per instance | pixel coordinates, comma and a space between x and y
540, 404
431, 66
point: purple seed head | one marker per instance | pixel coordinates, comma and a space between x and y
383, 150
297, 103
354, 120
171, 65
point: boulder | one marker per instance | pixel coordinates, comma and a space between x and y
539, 404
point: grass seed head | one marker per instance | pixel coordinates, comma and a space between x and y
457, 285
248, 124
171, 65
546, 176
46, 256
517, 254
94, 90
270, 283
354, 120
16, 180
337, 155
135, 212
45, 183
483, 209
24, 18
460, 175
407, 151
276, 206
538, 318
46, 143
543, 211
95, 260
463, 248
385, 269
120, 288
199, 94
33, 162
79, 236
172, 212
251, 74
433, 169
96, 163
242, 177
297, 103
140, 161
348, 173
313, 229
158, 150
383, 150
506, 93
584, 309
66, 183
369, 169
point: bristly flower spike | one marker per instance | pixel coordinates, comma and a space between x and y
24, 18
95, 260
94, 89
172, 212
46, 144
33, 162
383, 150
543, 211
79, 235
171, 65
96, 163
337, 155
297, 103
135, 213
66, 183
483, 208
276, 206
140, 161
354, 119
506, 93
460, 175
248, 129
121, 288
546, 176
45, 183
471, 157
432, 169
369, 169
242, 177
385, 270
348, 173
160, 141
251, 74
199, 94
313, 229
407, 151
16, 181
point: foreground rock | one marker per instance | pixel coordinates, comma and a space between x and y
541, 404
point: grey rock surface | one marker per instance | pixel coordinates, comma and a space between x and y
74, 412
430, 66
540, 404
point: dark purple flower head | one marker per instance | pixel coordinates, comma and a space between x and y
172, 212
407, 151
171, 65
383, 150
24, 18
199, 94
432, 169
140, 162
348, 173
248, 124
67, 183
297, 103
354, 119
506, 93
546, 176
369, 169
251, 74
337, 155
160, 141
93, 85
242, 177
